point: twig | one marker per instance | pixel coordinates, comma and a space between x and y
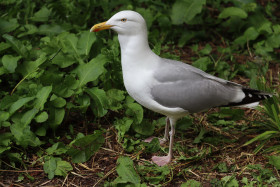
194, 173
105, 176
44, 183
65, 180
248, 47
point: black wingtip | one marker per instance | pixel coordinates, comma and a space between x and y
252, 96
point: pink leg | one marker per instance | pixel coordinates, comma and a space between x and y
163, 160
165, 138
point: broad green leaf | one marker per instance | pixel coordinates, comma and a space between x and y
203, 63
50, 29
19, 103
7, 101
122, 125
82, 149
10, 62
114, 99
29, 30
57, 148
100, 101
16, 45
126, 171
4, 46
24, 136
206, 50
50, 167
153, 146
233, 11
91, 71
42, 15
230, 181
56, 117
275, 161
41, 117
42, 97
192, 183
5, 139
250, 34
145, 128
58, 102
41, 131
136, 111
64, 61
4, 116
85, 42
185, 10
62, 168
28, 116
8, 26
31, 66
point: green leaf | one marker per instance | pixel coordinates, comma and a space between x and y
50, 167
28, 67
57, 148
58, 102
72, 41
230, 181
126, 171
42, 97
16, 45
4, 46
136, 111
81, 149
42, 15
85, 42
42, 117
250, 34
275, 161
200, 136
8, 26
144, 128
233, 11
63, 61
56, 117
10, 62
5, 141
203, 63
100, 101
263, 136
185, 10
114, 98
4, 116
62, 168
28, 116
24, 136
192, 183
91, 71
41, 131
122, 125
19, 103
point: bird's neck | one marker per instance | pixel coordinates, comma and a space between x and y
134, 46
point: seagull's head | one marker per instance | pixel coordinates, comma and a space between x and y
126, 22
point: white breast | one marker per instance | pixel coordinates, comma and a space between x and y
139, 80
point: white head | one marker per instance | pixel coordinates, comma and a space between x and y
126, 22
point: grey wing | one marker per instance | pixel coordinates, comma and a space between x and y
191, 89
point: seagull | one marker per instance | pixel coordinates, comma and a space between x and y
172, 88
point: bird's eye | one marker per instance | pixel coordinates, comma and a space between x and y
123, 20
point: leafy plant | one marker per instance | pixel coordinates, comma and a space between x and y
271, 124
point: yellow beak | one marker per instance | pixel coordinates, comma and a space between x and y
100, 27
